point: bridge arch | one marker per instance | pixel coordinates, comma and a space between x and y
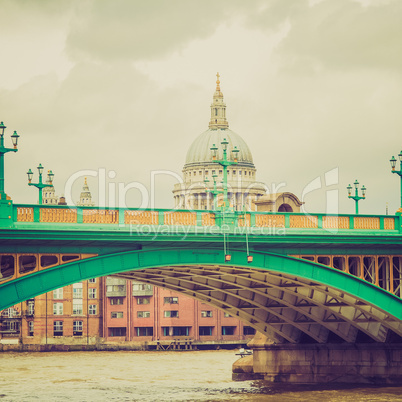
287, 299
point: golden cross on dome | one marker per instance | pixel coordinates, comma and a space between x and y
217, 82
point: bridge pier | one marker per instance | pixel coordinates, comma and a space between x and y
376, 363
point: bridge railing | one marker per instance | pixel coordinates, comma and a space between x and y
130, 216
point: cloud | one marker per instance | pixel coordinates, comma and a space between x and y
135, 30
337, 34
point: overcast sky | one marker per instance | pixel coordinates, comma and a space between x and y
126, 86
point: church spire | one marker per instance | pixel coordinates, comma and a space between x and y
218, 109
218, 88
85, 196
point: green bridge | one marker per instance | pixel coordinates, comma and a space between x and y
298, 279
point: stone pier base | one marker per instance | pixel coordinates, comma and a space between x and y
374, 363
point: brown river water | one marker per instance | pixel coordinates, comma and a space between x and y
155, 376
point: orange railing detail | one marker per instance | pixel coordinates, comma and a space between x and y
303, 221
25, 214
389, 223
141, 217
58, 215
244, 220
100, 216
271, 221
208, 219
335, 222
366, 222
180, 218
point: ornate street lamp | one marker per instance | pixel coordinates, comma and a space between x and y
226, 209
4, 150
224, 162
40, 185
398, 172
215, 192
356, 196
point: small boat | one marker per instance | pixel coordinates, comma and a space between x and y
244, 352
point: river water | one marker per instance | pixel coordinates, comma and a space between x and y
155, 376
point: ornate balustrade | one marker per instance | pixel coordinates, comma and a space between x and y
118, 216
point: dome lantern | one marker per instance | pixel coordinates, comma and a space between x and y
218, 109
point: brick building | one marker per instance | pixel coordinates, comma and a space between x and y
142, 313
69, 315
115, 311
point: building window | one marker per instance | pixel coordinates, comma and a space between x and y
234, 172
143, 300
116, 314
116, 300
248, 330
91, 293
171, 313
205, 331
77, 290
171, 300
10, 312
14, 312
58, 293
115, 288
31, 307
226, 315
92, 309
206, 313
77, 307
58, 308
228, 330
176, 331
30, 328
77, 328
12, 326
141, 286
144, 331
57, 328
220, 172
121, 331
92, 280
143, 314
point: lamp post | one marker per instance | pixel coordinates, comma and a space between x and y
224, 162
215, 192
40, 185
4, 150
398, 172
356, 196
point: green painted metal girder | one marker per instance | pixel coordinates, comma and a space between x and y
50, 238
52, 278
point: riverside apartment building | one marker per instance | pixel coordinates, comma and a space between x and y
116, 312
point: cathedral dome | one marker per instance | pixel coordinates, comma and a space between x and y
206, 171
200, 150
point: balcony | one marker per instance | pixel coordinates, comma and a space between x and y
142, 289
115, 287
